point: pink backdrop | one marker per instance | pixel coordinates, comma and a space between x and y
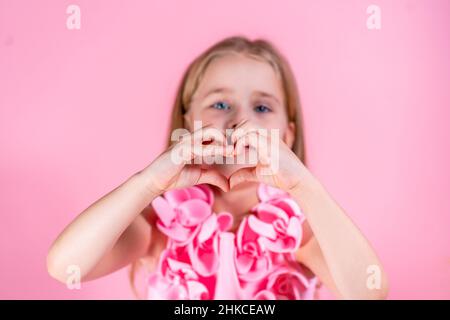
81, 110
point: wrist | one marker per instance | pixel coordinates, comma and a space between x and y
145, 178
307, 185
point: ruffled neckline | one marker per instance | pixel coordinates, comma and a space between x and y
203, 259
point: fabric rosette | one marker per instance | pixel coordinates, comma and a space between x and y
182, 211
175, 279
277, 220
203, 250
285, 283
252, 260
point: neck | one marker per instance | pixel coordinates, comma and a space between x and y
238, 201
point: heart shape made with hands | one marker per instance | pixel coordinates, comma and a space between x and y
215, 148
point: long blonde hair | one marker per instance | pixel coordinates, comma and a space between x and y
260, 49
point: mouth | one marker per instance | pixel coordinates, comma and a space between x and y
207, 142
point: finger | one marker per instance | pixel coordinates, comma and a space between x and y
248, 141
205, 139
247, 129
188, 136
214, 178
182, 153
240, 132
242, 175
242, 124
229, 131
187, 152
256, 143
211, 150
209, 135
197, 134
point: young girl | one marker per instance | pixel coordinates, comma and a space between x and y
261, 230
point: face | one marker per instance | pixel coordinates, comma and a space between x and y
234, 88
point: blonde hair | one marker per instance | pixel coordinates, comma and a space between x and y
260, 49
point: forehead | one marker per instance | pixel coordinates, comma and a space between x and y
240, 74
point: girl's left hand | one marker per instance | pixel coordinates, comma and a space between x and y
277, 165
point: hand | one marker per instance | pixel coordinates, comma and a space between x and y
174, 169
277, 165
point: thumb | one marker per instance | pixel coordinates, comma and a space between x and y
242, 175
214, 178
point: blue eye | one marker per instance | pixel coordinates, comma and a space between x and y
262, 109
221, 105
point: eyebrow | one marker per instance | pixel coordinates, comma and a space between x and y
227, 90
216, 90
268, 95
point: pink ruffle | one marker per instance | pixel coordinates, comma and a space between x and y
203, 260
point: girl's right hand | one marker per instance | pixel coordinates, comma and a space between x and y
174, 168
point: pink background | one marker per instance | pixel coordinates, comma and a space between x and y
82, 110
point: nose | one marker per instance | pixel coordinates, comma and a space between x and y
235, 124
231, 126
236, 121
238, 116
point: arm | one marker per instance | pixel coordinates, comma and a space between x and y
310, 255
108, 235
113, 231
337, 253
136, 241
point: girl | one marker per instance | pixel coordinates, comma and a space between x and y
261, 230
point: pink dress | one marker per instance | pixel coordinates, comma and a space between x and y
203, 260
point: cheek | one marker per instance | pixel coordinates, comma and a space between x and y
279, 129
198, 116
215, 119
273, 122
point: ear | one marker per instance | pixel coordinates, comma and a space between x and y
289, 135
